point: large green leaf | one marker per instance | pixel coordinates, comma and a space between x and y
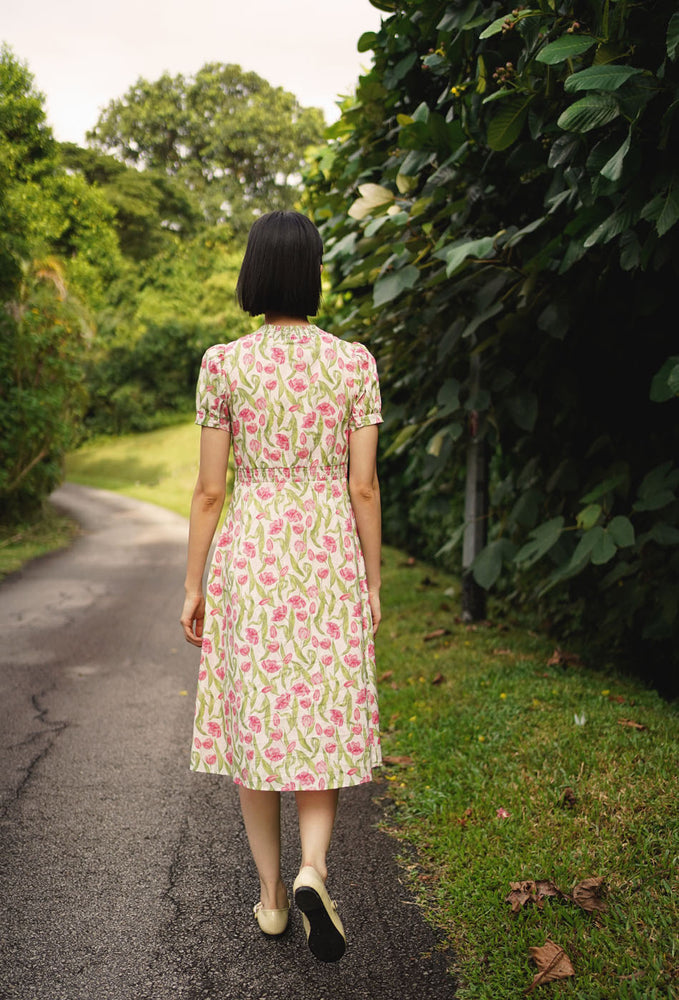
541, 540
488, 564
665, 383
604, 549
590, 112
599, 78
505, 126
621, 531
612, 169
390, 285
366, 41
457, 253
670, 210
566, 47
673, 37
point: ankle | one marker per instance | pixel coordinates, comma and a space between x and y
318, 865
274, 895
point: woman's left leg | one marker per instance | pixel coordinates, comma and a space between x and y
262, 817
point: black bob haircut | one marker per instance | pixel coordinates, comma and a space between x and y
281, 269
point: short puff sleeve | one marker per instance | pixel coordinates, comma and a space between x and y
367, 403
212, 406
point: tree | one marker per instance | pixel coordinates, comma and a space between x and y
151, 209
237, 142
513, 183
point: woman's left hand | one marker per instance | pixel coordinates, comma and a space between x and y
193, 618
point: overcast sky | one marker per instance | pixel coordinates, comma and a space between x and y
85, 53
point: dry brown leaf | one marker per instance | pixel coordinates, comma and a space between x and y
438, 679
631, 723
530, 891
560, 658
587, 894
503, 652
436, 634
552, 962
568, 797
402, 760
386, 676
617, 698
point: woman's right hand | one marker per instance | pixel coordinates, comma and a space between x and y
374, 601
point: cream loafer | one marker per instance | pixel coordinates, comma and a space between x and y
272, 922
323, 927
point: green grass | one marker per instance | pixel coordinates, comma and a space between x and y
19, 543
490, 725
159, 467
498, 732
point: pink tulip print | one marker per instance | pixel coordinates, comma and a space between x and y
286, 692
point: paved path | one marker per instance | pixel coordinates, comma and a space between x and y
122, 875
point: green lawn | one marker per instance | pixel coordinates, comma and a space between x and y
159, 467
501, 767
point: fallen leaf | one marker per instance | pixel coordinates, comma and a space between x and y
502, 813
631, 723
552, 962
438, 679
530, 891
402, 760
617, 698
386, 676
568, 798
587, 894
560, 658
503, 652
436, 634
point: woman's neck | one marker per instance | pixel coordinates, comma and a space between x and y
278, 319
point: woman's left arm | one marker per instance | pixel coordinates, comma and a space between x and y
206, 506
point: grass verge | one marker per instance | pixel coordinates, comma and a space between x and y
506, 767
491, 777
159, 466
19, 543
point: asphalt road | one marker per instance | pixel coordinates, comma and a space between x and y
123, 876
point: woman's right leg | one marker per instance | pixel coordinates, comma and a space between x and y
262, 817
316, 820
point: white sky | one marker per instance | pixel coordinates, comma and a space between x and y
85, 53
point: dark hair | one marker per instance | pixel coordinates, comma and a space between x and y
281, 269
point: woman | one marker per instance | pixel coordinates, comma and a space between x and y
286, 692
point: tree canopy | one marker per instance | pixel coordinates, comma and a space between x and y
235, 140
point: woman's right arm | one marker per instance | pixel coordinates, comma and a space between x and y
206, 506
364, 492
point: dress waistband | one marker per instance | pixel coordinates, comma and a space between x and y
292, 474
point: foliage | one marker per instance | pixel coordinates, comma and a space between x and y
160, 319
151, 209
231, 137
512, 187
54, 230
41, 392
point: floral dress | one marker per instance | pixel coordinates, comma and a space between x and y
286, 686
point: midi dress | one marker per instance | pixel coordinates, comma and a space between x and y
286, 694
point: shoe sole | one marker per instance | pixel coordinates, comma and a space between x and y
325, 941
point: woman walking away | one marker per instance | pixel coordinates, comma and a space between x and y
286, 687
